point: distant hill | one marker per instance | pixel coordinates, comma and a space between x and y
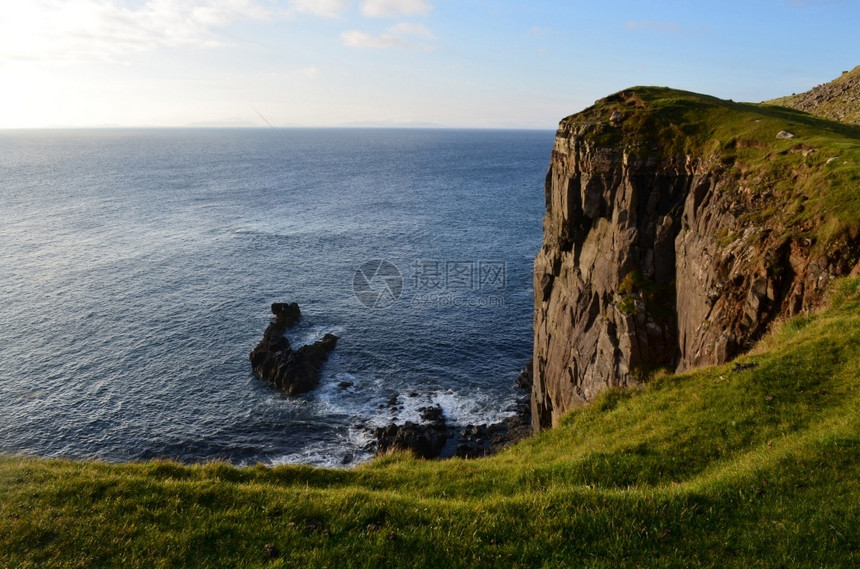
838, 100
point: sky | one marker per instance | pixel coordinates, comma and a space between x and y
451, 63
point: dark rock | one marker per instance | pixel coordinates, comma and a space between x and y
287, 315
271, 551
526, 377
274, 360
742, 367
426, 441
436, 439
433, 415
344, 385
392, 401
467, 451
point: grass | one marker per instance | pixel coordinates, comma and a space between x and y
750, 464
803, 187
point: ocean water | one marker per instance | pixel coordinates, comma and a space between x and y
137, 268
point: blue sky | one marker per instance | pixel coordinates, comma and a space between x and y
465, 63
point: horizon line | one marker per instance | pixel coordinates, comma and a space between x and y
273, 127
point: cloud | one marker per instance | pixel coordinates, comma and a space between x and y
57, 30
355, 38
320, 8
409, 29
394, 8
397, 35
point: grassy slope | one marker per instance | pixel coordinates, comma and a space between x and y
836, 100
752, 468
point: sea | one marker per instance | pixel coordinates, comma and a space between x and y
138, 267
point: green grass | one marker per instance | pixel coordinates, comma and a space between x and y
755, 467
803, 187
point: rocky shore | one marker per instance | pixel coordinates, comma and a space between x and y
298, 371
435, 438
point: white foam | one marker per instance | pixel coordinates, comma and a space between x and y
362, 401
474, 408
343, 452
367, 402
303, 337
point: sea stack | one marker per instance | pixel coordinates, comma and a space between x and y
274, 360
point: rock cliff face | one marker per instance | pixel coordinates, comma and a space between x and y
671, 244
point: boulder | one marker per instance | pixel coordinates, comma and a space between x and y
425, 441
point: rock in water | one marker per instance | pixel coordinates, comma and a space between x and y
274, 360
287, 315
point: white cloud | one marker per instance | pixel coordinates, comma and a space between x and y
397, 35
410, 29
320, 8
44, 30
394, 8
355, 38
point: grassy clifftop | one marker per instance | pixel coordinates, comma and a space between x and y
804, 184
750, 464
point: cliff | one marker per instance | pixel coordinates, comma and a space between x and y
678, 227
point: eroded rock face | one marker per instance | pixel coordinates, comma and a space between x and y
274, 360
648, 263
